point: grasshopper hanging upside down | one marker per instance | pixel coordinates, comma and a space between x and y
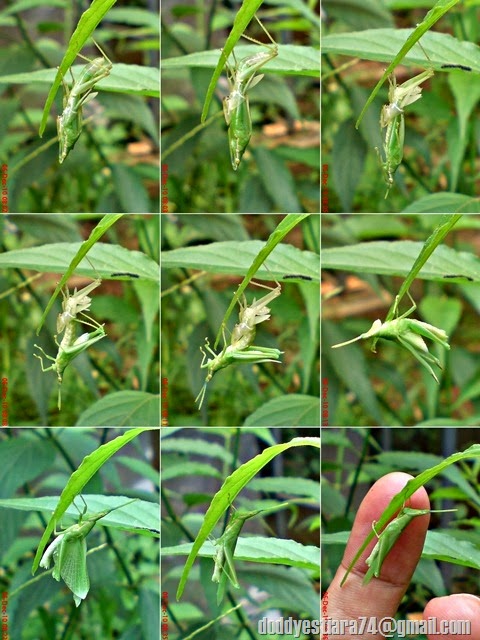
236, 108
392, 118
71, 346
70, 123
76, 303
241, 350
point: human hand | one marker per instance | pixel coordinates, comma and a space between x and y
381, 597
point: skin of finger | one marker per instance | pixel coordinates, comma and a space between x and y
381, 596
460, 606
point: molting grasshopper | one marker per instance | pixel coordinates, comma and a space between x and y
71, 346
241, 350
409, 334
76, 303
236, 107
70, 123
391, 117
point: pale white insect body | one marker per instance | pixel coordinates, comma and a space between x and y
70, 122
71, 346
236, 107
241, 350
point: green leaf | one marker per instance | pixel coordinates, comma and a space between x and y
295, 410
445, 201
107, 259
131, 79
382, 45
397, 258
260, 549
236, 257
140, 516
123, 408
292, 59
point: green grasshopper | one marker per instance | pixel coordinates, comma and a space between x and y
392, 118
393, 149
226, 544
69, 552
389, 536
241, 350
70, 123
71, 346
236, 107
409, 334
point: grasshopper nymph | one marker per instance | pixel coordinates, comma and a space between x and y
70, 123
409, 333
67, 321
241, 350
392, 118
236, 106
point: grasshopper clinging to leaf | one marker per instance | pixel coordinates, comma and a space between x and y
409, 334
70, 122
387, 539
69, 553
389, 536
236, 108
241, 350
225, 549
392, 119
71, 346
